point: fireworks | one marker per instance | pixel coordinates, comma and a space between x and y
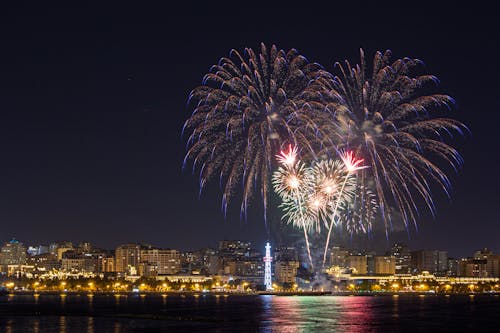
245, 111
313, 196
386, 117
372, 142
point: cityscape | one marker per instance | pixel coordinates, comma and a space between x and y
203, 167
237, 266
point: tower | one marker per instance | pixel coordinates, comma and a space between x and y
267, 268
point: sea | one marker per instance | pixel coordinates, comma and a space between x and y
73, 313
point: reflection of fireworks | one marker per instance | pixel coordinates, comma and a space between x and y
245, 110
384, 117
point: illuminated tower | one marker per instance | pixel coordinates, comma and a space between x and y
267, 269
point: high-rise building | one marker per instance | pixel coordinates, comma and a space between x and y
127, 258
432, 261
286, 253
492, 261
76, 261
13, 253
106, 263
483, 264
286, 271
385, 265
235, 247
338, 256
166, 261
358, 264
370, 262
452, 267
202, 260
62, 247
402, 256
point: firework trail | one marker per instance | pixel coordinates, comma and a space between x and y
386, 116
292, 182
247, 108
311, 196
351, 165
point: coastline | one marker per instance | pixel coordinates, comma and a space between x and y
235, 293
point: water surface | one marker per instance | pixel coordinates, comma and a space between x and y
211, 313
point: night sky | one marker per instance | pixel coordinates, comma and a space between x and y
92, 102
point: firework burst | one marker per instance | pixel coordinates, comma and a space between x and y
247, 108
387, 117
312, 196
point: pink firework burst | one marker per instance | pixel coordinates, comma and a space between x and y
288, 158
351, 162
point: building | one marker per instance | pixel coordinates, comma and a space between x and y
75, 261
202, 261
452, 267
338, 256
245, 267
235, 247
13, 253
127, 258
286, 271
484, 264
37, 250
164, 261
106, 263
402, 256
358, 264
492, 262
43, 262
58, 249
432, 261
370, 262
385, 265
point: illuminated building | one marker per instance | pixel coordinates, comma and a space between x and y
127, 258
164, 261
76, 261
13, 253
492, 265
402, 256
338, 257
202, 261
44, 262
385, 265
234, 247
432, 261
60, 248
37, 250
106, 263
358, 264
484, 264
286, 271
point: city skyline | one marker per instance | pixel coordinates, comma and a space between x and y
93, 110
238, 260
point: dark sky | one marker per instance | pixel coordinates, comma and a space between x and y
92, 101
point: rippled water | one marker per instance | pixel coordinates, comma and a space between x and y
210, 313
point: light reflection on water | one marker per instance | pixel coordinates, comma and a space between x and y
313, 313
225, 313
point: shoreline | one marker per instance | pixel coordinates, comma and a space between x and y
233, 293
